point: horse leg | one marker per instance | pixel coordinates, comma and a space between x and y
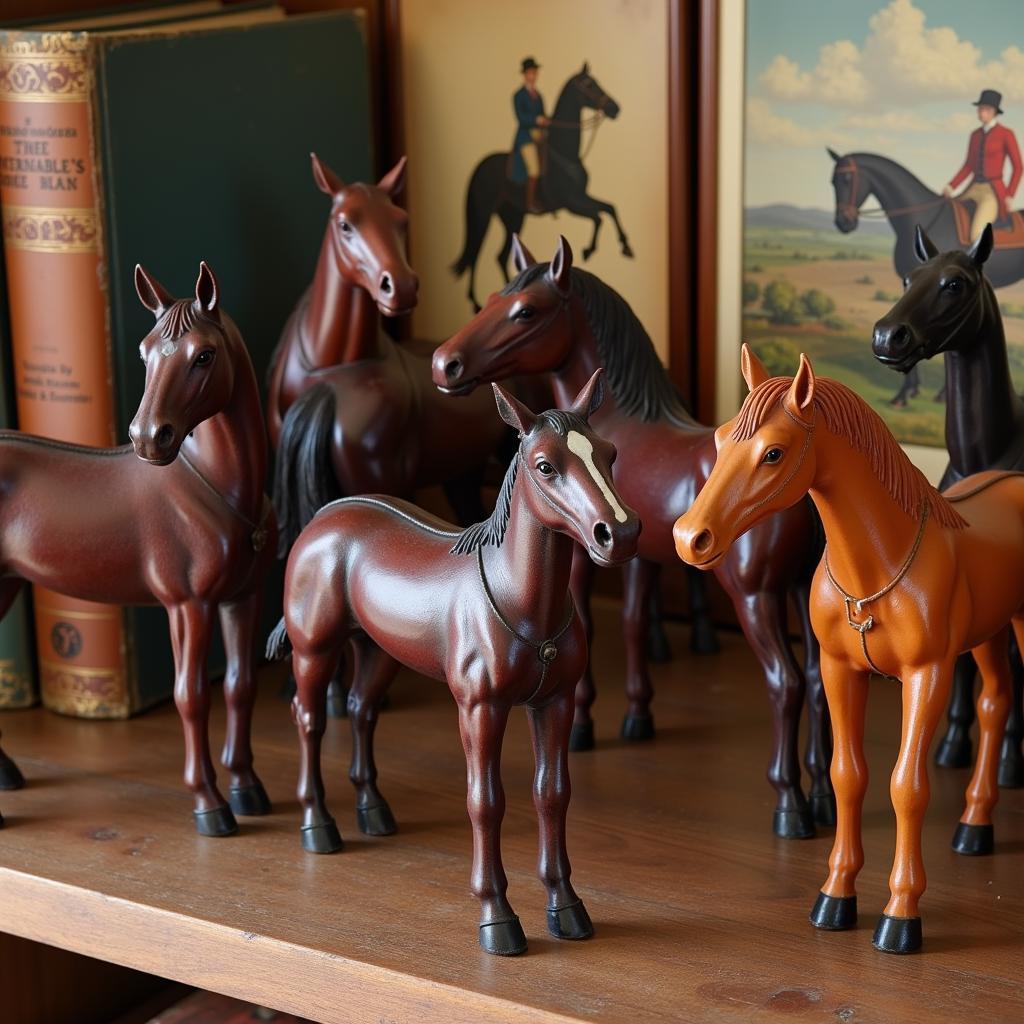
955, 749
482, 726
191, 624
641, 577
1011, 763
239, 622
762, 616
313, 674
374, 671
703, 636
658, 650
580, 582
908, 386
609, 208
550, 726
818, 755
847, 691
925, 692
10, 774
974, 834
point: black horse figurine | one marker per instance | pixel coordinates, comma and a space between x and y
949, 307
907, 202
563, 182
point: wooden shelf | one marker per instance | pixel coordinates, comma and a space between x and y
700, 913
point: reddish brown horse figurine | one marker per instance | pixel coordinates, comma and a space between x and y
184, 524
488, 611
349, 411
553, 318
908, 581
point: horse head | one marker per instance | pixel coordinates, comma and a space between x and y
526, 328
368, 234
766, 463
569, 470
190, 372
851, 188
591, 95
934, 314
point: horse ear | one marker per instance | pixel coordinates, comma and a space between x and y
512, 411
326, 180
753, 370
586, 68
832, 153
561, 265
522, 258
924, 248
589, 400
207, 292
799, 400
152, 294
394, 181
982, 247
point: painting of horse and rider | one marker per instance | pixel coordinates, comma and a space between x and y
889, 116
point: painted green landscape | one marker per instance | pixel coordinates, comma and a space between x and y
815, 290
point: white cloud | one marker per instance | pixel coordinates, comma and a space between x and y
766, 127
902, 61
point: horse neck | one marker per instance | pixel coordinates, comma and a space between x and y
978, 381
229, 449
564, 135
341, 322
528, 573
869, 536
893, 186
583, 359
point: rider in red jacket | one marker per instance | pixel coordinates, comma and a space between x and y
989, 148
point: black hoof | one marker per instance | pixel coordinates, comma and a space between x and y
823, 807
794, 824
638, 727
658, 650
10, 774
974, 840
1011, 770
321, 838
503, 938
217, 822
897, 934
582, 736
954, 751
249, 801
704, 639
834, 913
376, 821
572, 922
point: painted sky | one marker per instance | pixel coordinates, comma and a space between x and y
894, 78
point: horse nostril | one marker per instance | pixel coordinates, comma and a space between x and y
385, 284
703, 541
164, 437
603, 535
453, 369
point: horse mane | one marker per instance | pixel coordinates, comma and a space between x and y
847, 415
635, 375
180, 317
890, 164
492, 529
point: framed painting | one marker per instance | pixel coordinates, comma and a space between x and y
852, 124
546, 119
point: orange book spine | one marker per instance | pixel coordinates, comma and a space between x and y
56, 277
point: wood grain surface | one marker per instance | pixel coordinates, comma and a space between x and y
701, 914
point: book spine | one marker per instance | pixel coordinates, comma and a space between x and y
56, 282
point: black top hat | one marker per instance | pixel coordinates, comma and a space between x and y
990, 98
528, 65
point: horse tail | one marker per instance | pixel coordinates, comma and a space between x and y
278, 644
481, 202
304, 479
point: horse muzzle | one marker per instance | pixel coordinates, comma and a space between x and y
614, 543
156, 443
697, 545
448, 371
897, 346
396, 294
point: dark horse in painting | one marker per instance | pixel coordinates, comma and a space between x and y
553, 318
563, 184
486, 610
949, 308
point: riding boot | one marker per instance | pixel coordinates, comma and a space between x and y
532, 206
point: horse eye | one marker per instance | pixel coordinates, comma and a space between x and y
204, 358
772, 456
524, 313
954, 284
545, 468
346, 228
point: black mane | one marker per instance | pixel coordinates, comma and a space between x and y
635, 375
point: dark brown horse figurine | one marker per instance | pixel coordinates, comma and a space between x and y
486, 609
349, 411
184, 524
553, 318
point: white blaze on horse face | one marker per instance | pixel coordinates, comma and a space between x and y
581, 446
168, 348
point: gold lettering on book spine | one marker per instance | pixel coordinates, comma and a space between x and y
83, 692
44, 68
42, 229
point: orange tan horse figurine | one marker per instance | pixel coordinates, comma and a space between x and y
909, 580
